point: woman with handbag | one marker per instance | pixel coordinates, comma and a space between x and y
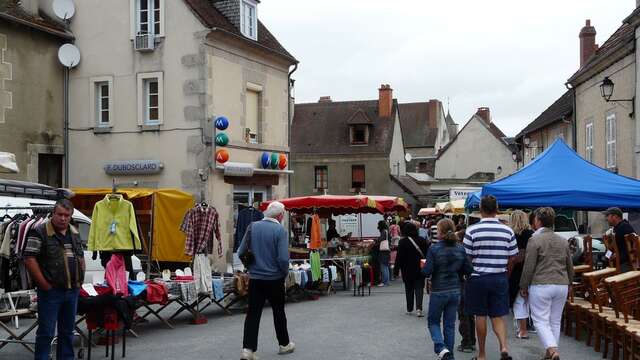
384, 255
411, 252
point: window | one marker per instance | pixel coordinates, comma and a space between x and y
101, 95
249, 19
50, 169
102, 102
148, 17
359, 134
322, 178
588, 153
422, 167
150, 99
252, 115
611, 140
357, 177
534, 149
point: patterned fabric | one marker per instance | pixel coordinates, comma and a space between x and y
199, 225
490, 244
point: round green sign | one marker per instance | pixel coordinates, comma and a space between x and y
222, 139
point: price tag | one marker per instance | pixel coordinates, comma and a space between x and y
609, 254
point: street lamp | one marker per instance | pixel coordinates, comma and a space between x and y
606, 91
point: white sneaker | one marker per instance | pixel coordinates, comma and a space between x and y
381, 285
247, 354
419, 313
409, 313
287, 349
444, 355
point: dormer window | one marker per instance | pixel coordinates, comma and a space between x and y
249, 19
359, 134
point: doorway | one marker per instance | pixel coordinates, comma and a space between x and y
50, 169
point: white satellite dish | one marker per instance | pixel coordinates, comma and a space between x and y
408, 157
69, 55
64, 9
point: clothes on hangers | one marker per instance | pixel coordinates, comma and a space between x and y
202, 274
316, 238
113, 225
13, 240
200, 224
315, 266
245, 217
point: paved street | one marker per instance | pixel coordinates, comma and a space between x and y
335, 327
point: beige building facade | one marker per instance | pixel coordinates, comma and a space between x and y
149, 90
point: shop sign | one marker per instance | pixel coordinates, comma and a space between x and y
133, 167
238, 169
349, 224
461, 193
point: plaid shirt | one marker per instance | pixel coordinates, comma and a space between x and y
199, 225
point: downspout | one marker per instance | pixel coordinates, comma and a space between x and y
574, 121
66, 127
295, 67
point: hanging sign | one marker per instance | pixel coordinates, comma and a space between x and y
133, 167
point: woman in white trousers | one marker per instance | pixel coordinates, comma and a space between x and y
547, 273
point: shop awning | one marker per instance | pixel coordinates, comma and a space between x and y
428, 211
8, 163
451, 207
157, 210
473, 200
330, 205
560, 178
391, 203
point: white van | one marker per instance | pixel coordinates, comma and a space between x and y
95, 272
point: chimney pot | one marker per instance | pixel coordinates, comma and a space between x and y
485, 114
385, 101
588, 45
325, 99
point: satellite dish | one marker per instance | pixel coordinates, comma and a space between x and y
408, 157
64, 9
69, 55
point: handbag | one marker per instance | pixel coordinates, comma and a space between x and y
247, 257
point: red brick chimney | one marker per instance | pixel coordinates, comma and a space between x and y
588, 45
325, 99
485, 114
385, 101
433, 107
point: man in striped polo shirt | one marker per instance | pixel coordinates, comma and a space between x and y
489, 244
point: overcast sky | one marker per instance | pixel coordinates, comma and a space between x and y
511, 55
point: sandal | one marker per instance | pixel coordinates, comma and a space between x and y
505, 356
466, 349
522, 337
555, 356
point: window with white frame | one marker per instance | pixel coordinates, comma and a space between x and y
252, 112
588, 151
249, 19
101, 93
610, 122
150, 98
534, 149
148, 17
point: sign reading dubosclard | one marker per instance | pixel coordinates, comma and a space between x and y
133, 167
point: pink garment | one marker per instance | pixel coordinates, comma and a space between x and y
116, 275
394, 231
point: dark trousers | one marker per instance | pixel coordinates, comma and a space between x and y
56, 307
259, 291
414, 288
467, 325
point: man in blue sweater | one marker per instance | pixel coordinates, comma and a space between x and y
269, 242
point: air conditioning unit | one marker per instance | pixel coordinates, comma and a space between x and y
144, 42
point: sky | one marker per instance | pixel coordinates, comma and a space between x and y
513, 56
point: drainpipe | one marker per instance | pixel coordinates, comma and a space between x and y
66, 127
295, 67
574, 122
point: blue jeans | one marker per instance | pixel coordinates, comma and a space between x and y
443, 304
384, 267
56, 306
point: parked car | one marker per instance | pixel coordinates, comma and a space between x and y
567, 228
95, 272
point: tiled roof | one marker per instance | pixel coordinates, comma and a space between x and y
449, 120
414, 119
323, 128
213, 19
620, 38
408, 184
11, 11
559, 110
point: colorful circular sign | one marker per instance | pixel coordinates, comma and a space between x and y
222, 139
265, 160
275, 160
222, 156
222, 123
283, 162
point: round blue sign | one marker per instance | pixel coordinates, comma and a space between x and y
265, 160
222, 123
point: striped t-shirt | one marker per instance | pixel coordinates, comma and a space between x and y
489, 243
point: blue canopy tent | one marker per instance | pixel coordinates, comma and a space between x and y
472, 201
560, 178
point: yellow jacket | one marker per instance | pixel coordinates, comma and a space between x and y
113, 224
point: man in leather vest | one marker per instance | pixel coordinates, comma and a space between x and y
54, 258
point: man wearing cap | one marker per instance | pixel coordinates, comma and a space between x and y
268, 241
621, 228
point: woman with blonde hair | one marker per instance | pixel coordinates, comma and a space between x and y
519, 223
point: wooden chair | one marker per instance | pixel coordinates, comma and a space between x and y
586, 311
632, 242
625, 295
587, 254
